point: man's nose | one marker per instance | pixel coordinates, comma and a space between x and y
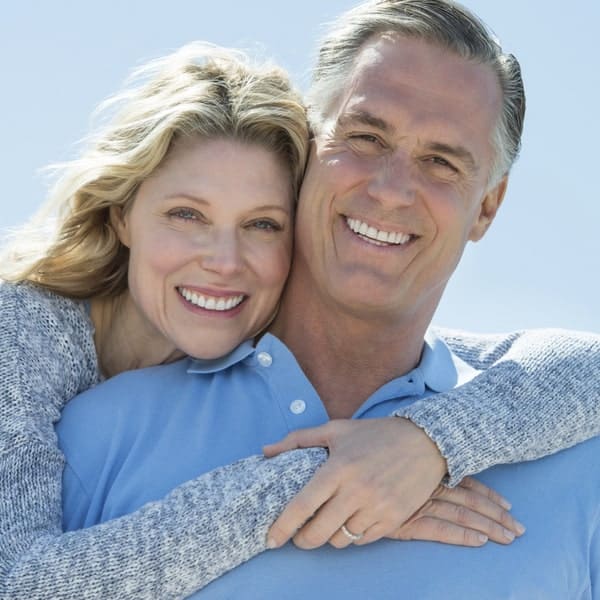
393, 182
223, 254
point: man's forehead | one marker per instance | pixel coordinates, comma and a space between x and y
398, 81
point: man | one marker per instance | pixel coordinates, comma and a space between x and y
419, 122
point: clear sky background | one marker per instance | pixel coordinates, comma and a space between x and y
537, 267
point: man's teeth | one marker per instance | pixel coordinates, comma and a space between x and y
211, 302
388, 237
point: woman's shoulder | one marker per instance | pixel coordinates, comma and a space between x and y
37, 322
40, 305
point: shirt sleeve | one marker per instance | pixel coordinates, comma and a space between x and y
167, 549
539, 392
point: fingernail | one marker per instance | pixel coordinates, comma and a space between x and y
482, 538
509, 535
505, 504
271, 543
520, 528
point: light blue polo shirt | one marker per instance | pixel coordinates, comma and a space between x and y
137, 436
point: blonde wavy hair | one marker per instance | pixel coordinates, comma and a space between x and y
200, 90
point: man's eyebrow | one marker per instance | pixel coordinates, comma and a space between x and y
458, 152
363, 117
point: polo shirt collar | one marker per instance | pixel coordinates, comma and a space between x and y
219, 364
439, 369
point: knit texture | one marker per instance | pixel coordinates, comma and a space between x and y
541, 395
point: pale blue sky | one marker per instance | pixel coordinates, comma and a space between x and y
539, 264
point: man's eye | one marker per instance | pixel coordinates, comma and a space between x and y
365, 138
439, 161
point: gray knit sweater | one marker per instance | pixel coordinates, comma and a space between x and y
540, 392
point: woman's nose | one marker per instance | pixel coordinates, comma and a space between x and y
223, 254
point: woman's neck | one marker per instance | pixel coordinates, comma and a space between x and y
125, 339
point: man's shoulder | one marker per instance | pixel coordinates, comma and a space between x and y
535, 347
478, 349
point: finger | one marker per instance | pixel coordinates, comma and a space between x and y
302, 438
481, 504
463, 517
484, 490
302, 507
326, 523
368, 533
437, 530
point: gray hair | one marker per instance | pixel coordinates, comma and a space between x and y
441, 22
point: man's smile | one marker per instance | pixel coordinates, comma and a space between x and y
376, 236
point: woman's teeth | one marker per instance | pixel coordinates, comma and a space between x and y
211, 302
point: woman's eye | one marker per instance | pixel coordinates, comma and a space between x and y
185, 214
265, 225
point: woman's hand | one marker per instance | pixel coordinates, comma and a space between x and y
379, 475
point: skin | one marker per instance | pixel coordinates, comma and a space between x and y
220, 212
405, 150
214, 220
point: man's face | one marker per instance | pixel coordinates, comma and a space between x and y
397, 182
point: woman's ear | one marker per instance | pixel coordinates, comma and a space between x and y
120, 224
489, 208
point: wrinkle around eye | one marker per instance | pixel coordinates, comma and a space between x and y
186, 215
365, 143
441, 164
266, 225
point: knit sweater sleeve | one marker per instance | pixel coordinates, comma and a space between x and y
538, 393
167, 549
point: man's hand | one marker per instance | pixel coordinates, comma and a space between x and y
467, 515
379, 475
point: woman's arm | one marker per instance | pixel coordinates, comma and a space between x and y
539, 393
167, 549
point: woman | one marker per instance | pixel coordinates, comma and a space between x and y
173, 236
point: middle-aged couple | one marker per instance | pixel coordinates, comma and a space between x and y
174, 238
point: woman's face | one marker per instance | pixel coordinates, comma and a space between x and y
210, 239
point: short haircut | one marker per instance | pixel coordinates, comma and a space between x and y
441, 22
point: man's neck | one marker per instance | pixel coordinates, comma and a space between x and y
346, 357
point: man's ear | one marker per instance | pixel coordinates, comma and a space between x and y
487, 210
120, 224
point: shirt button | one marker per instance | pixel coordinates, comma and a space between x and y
298, 407
264, 359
